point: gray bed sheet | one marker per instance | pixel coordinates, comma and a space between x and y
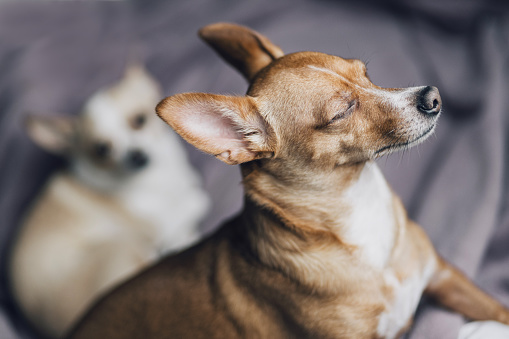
53, 55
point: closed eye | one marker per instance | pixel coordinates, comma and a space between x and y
340, 115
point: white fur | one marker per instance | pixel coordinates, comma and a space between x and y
371, 218
371, 228
325, 70
93, 227
403, 304
484, 330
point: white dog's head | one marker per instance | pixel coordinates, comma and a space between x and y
116, 136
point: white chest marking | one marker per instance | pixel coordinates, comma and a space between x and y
371, 224
407, 294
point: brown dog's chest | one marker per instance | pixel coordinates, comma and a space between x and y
366, 305
368, 281
362, 302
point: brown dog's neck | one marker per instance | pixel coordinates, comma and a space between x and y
300, 196
291, 219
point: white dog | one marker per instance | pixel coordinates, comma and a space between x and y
128, 196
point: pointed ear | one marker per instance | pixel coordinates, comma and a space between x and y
54, 134
246, 50
140, 82
227, 127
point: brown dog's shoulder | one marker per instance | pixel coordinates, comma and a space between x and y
174, 292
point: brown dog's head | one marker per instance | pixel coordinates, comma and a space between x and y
307, 105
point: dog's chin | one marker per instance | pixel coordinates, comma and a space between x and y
405, 145
104, 179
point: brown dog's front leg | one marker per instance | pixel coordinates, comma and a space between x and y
454, 290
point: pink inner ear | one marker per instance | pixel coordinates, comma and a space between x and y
212, 132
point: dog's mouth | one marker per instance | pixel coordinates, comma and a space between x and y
404, 145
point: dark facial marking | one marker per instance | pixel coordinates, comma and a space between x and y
101, 150
138, 121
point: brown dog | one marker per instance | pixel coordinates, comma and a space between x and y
323, 248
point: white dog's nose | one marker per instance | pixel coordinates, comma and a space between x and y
429, 101
137, 159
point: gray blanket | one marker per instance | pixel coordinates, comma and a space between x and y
54, 55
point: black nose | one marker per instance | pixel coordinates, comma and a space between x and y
429, 101
137, 159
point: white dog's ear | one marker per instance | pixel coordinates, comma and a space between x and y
230, 128
54, 134
246, 50
138, 82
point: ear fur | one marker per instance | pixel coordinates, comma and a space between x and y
139, 73
227, 127
54, 134
246, 50
138, 81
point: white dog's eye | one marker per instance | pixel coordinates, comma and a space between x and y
138, 121
345, 113
101, 149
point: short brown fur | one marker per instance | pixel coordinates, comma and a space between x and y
288, 265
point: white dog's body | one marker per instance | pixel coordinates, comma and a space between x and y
103, 219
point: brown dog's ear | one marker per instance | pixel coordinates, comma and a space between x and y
227, 127
246, 50
54, 134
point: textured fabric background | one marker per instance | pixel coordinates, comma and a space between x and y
53, 55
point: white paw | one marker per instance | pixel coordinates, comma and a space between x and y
484, 330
